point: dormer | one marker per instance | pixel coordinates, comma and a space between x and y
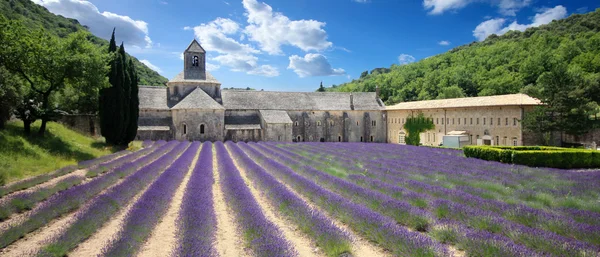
194, 62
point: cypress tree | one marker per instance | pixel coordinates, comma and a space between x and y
134, 103
125, 97
108, 101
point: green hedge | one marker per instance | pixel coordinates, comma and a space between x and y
536, 156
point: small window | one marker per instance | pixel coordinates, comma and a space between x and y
471, 121
195, 61
437, 120
373, 123
361, 139
448, 121
515, 122
504, 141
322, 140
499, 122
433, 137
497, 140
339, 138
296, 123
452, 121
515, 142
357, 123
483, 121
458, 121
202, 129
318, 123
372, 139
506, 121
471, 138
465, 121
278, 138
491, 121
184, 129
298, 139
477, 121
442, 121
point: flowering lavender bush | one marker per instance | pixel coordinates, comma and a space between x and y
33, 181
151, 207
106, 205
72, 198
261, 235
197, 222
329, 237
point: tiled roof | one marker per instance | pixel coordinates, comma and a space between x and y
198, 99
272, 116
153, 98
209, 79
323, 101
242, 126
482, 101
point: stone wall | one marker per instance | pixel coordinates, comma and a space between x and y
243, 135
585, 139
82, 123
198, 125
338, 126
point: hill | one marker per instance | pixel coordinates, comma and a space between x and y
35, 15
24, 156
504, 64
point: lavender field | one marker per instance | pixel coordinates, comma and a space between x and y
300, 199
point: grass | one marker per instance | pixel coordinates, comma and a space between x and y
24, 156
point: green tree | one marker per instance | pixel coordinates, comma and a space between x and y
11, 93
49, 64
134, 104
451, 92
321, 88
414, 126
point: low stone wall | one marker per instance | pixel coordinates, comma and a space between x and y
586, 139
83, 123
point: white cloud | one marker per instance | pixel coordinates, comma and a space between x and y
505, 7
132, 32
362, 1
151, 66
246, 63
212, 67
406, 59
187, 28
265, 70
215, 36
444, 43
494, 26
272, 30
313, 65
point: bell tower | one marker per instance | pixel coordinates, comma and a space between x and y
194, 62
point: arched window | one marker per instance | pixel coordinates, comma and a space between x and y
361, 139
278, 138
298, 139
339, 138
318, 123
372, 138
357, 123
184, 129
322, 140
296, 123
195, 61
202, 129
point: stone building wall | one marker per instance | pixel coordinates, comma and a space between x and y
338, 126
83, 123
243, 135
500, 125
280, 132
188, 125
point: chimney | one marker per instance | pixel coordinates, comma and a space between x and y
377, 92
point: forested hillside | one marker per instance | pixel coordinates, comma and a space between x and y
34, 15
504, 64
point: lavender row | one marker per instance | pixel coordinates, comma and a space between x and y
106, 205
97, 161
72, 198
319, 228
480, 221
493, 222
33, 181
103, 168
147, 143
196, 223
23, 201
387, 167
147, 212
373, 225
261, 235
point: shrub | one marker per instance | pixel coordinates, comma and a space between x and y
3, 177
536, 156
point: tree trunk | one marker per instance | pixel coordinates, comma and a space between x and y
43, 127
27, 127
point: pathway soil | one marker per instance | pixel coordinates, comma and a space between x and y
299, 240
228, 241
164, 237
50, 183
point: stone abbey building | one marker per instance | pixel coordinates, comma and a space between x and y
193, 107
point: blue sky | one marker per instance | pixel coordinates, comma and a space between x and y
293, 45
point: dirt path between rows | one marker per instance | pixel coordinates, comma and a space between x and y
163, 239
302, 244
50, 183
228, 242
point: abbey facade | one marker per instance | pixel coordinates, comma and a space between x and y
193, 107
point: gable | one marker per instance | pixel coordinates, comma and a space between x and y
195, 47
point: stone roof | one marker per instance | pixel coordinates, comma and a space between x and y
482, 101
153, 98
198, 99
242, 126
209, 79
272, 116
195, 47
153, 128
298, 101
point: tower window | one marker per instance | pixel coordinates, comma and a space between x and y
202, 129
195, 60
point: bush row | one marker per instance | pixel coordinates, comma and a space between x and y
537, 156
